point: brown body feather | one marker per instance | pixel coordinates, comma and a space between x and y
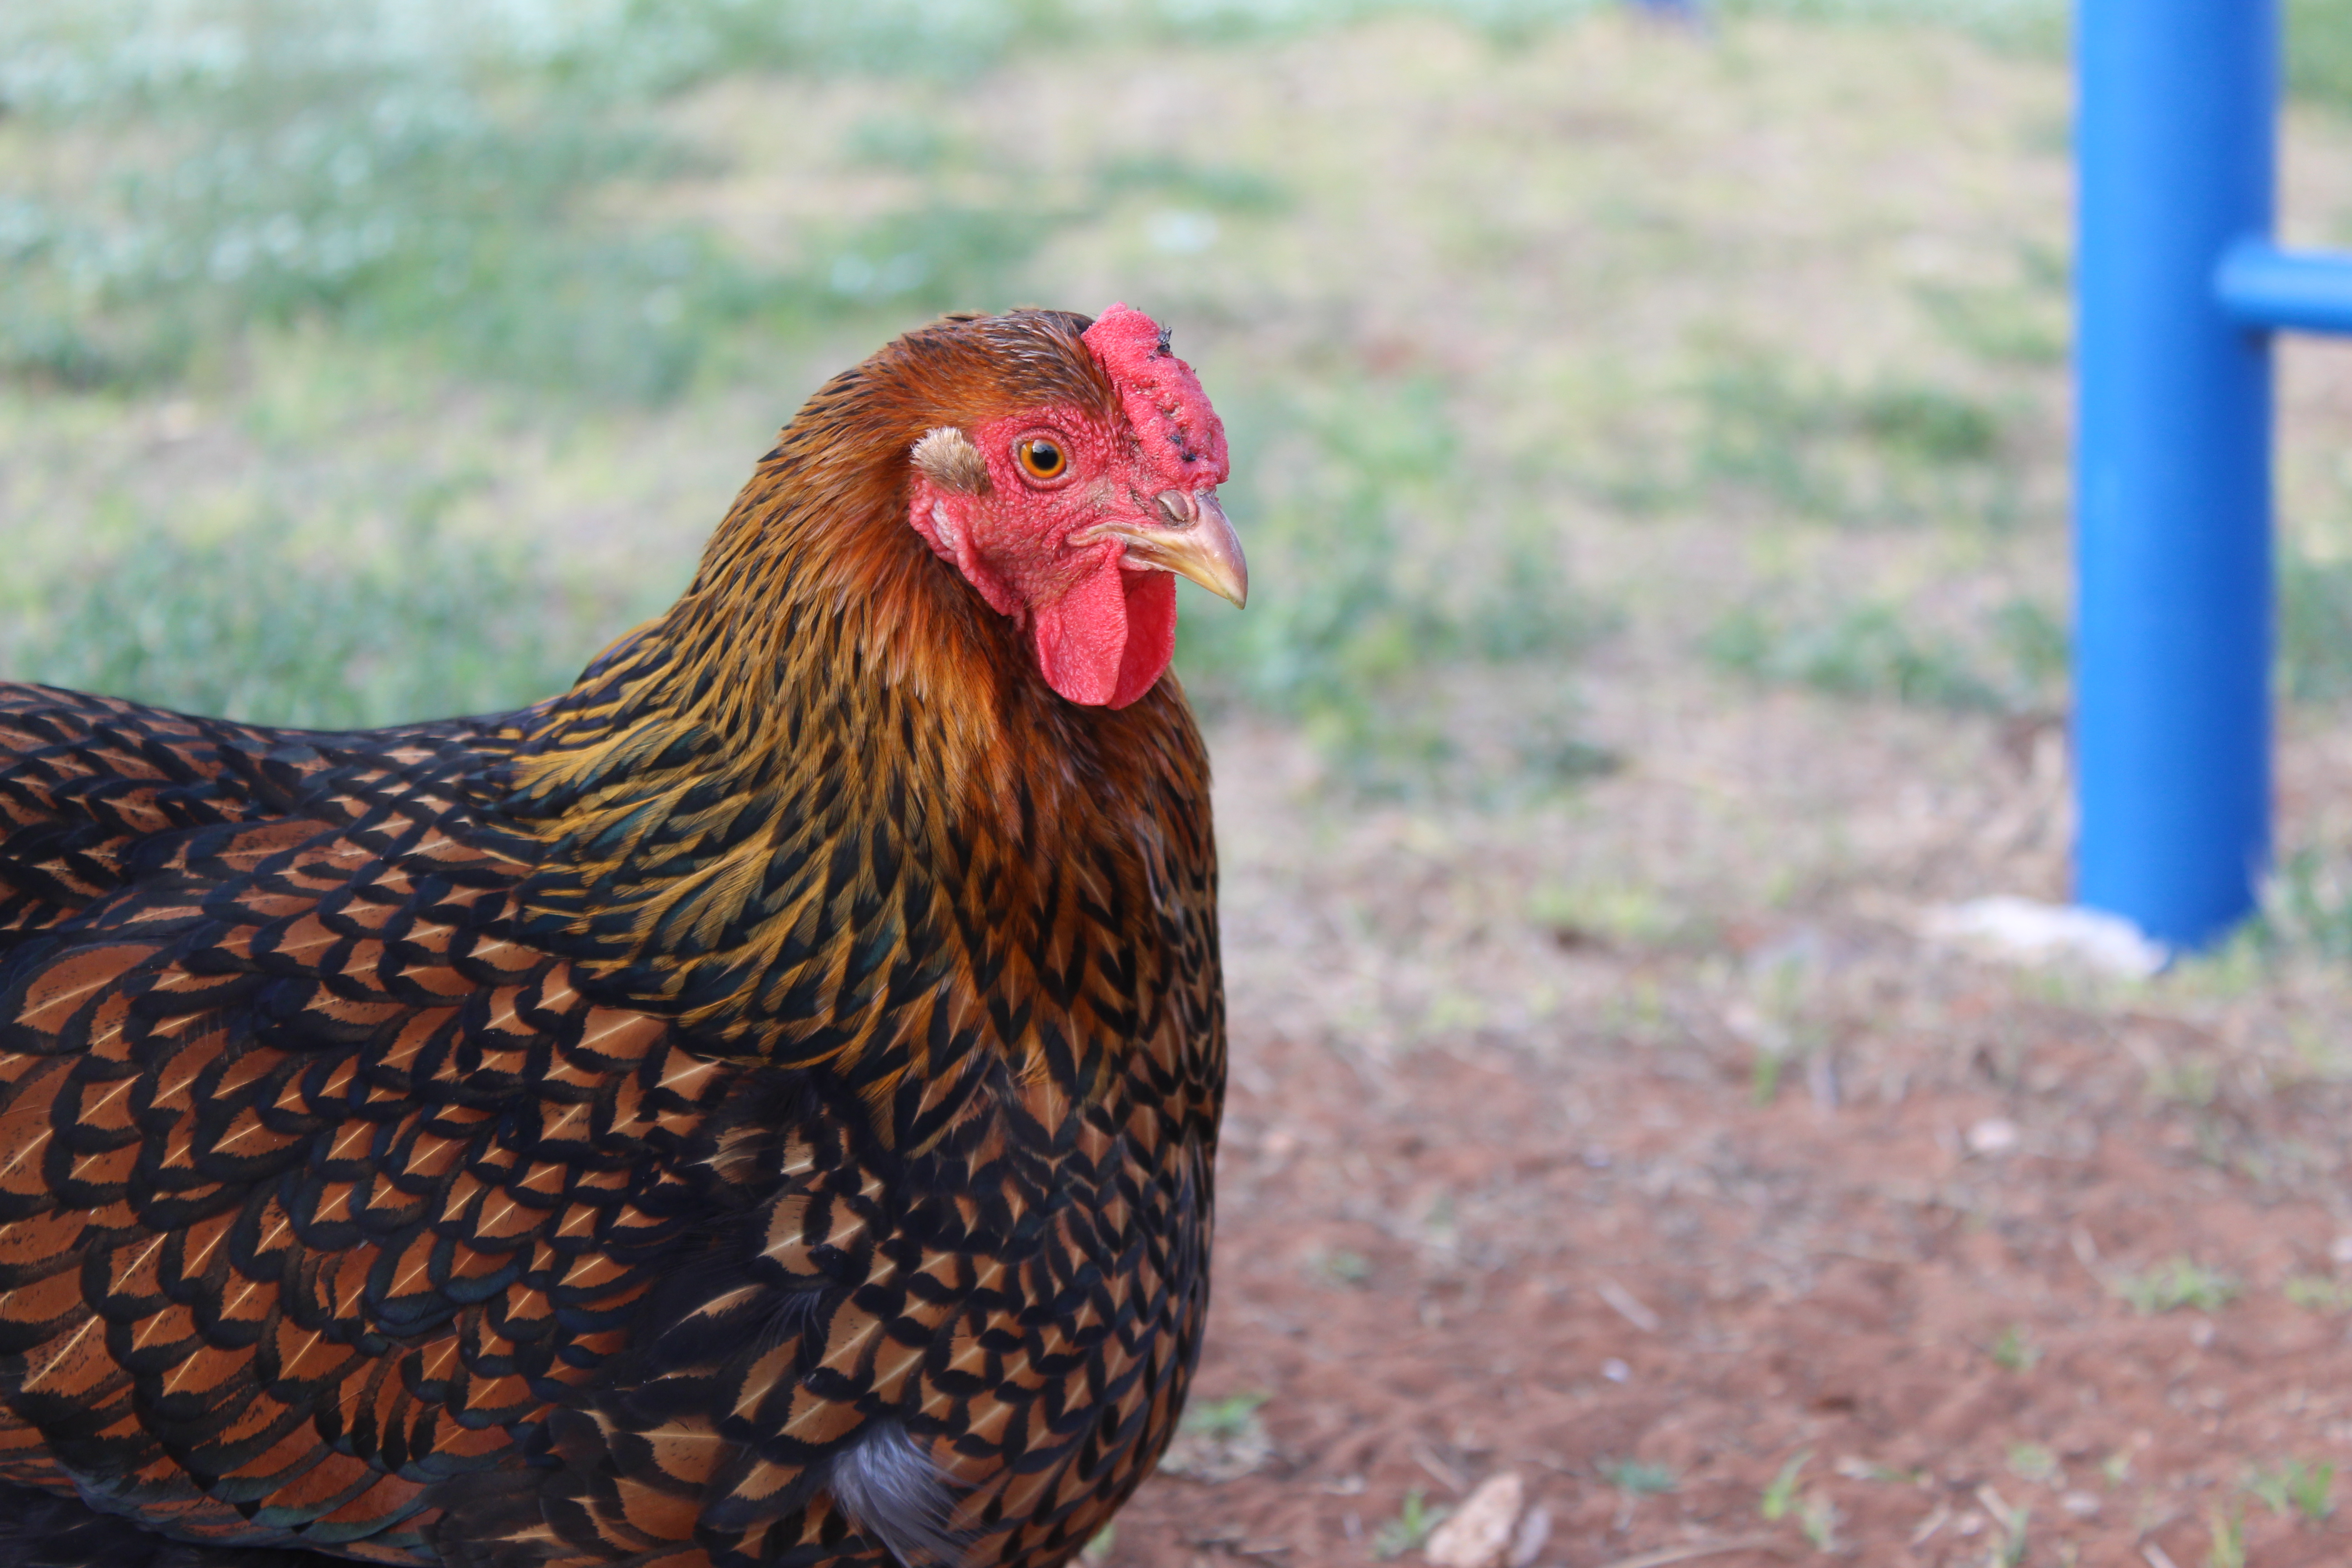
758, 1106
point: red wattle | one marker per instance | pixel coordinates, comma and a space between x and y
1106, 641
1081, 638
1150, 633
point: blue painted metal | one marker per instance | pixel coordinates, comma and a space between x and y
2260, 285
2174, 144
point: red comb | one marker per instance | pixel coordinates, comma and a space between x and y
1181, 434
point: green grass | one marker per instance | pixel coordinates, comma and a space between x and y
1352, 501
1816, 448
2319, 50
419, 174
2315, 627
404, 198
2179, 1283
2297, 1486
1638, 1476
1875, 650
2017, 660
2001, 324
1341, 1266
1231, 1416
291, 169
2033, 1462
2306, 908
1410, 1527
182, 186
1781, 1492
2228, 1530
2317, 1293
433, 171
2014, 1350
254, 624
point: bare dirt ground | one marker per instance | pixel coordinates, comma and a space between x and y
1985, 1265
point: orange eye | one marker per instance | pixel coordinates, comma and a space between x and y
1043, 459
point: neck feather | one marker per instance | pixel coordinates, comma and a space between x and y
826, 811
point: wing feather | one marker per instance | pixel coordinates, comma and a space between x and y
315, 1189
345, 1205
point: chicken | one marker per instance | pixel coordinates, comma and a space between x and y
758, 1106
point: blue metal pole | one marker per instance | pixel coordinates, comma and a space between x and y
2174, 144
2261, 285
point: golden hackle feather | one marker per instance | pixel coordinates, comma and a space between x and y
775, 1077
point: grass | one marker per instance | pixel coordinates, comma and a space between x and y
2306, 908
1606, 912
2319, 50
1816, 1513
2013, 1351
505, 202
1877, 651
254, 624
1233, 1417
289, 163
1638, 1478
2177, 1283
296, 160
1867, 650
2317, 1293
514, 203
2227, 1527
1781, 1492
1770, 430
1410, 1527
2012, 324
2295, 1487
2033, 1462
2016, 658
1219, 1439
399, 199
2315, 627
287, 171
1341, 1266
1817, 1521
1351, 502
1816, 448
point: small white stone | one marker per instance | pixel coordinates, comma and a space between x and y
1616, 1370
2081, 1504
1994, 1135
1480, 1535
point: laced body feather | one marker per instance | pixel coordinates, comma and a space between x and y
775, 1079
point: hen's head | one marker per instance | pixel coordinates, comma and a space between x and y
1071, 479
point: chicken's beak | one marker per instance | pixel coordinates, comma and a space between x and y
1193, 541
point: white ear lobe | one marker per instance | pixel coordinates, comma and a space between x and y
950, 461
945, 525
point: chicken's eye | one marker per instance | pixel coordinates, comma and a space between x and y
1043, 459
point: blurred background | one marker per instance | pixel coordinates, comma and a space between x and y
1649, 441
365, 361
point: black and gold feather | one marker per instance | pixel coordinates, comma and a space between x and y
756, 1107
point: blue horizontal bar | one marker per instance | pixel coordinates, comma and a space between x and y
2259, 285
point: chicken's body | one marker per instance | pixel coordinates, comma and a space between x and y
758, 1107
